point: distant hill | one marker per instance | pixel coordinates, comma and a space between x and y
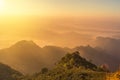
111, 45
22, 56
27, 57
98, 56
7, 73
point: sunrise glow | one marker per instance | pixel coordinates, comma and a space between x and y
25, 19
2, 4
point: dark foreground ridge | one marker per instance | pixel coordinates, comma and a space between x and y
7, 73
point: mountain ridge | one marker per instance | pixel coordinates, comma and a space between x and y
27, 57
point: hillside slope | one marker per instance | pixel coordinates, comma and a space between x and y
7, 73
71, 67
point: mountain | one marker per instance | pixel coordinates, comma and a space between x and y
74, 60
71, 67
7, 73
111, 45
27, 57
22, 56
98, 56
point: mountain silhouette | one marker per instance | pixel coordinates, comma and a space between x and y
27, 57
23, 56
111, 45
98, 56
25, 44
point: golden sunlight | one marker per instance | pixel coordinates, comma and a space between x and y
2, 4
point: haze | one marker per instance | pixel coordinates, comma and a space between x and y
66, 23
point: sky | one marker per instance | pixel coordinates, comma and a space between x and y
57, 7
58, 22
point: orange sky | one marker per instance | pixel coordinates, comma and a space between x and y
57, 22
55, 31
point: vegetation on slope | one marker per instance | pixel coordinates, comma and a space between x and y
70, 67
7, 73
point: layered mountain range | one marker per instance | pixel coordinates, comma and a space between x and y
28, 58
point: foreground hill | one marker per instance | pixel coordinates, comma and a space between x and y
71, 67
74, 60
7, 73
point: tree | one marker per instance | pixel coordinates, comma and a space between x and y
44, 70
